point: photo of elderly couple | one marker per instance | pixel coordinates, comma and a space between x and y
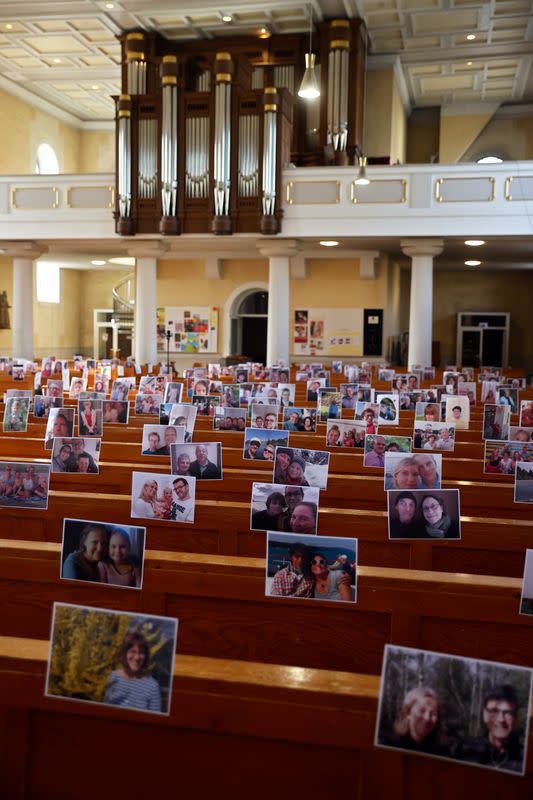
284, 508
102, 552
419, 514
202, 460
418, 471
463, 709
112, 658
311, 567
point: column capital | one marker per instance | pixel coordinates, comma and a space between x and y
279, 248
26, 249
422, 247
148, 249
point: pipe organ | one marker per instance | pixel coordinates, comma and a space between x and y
202, 135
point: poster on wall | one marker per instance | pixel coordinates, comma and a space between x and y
193, 329
328, 331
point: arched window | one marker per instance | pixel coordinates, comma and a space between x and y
490, 159
46, 162
249, 316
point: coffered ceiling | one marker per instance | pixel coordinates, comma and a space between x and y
64, 52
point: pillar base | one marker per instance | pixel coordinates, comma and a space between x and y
169, 226
222, 226
269, 225
125, 226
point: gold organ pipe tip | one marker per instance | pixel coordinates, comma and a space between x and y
170, 59
124, 113
223, 57
124, 97
339, 44
270, 90
270, 107
133, 55
137, 36
223, 76
340, 23
168, 79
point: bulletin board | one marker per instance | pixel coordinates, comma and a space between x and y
193, 329
328, 331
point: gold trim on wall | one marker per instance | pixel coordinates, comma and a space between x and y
54, 189
403, 198
440, 181
110, 189
291, 184
507, 189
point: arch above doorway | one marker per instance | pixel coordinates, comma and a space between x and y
232, 306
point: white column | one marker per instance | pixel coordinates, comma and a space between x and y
23, 255
422, 253
279, 254
145, 339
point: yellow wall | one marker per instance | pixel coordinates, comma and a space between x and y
378, 104
96, 292
423, 135
398, 144
457, 132
511, 138
6, 284
57, 326
97, 151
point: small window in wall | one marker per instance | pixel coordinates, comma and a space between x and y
47, 282
46, 162
492, 159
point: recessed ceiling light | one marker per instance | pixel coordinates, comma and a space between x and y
110, 5
98, 263
474, 242
329, 243
57, 61
227, 18
95, 86
264, 33
9, 26
472, 263
469, 63
471, 37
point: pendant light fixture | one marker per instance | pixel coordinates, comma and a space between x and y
309, 87
361, 179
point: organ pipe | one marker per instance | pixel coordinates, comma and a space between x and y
222, 137
124, 155
248, 172
136, 63
337, 100
169, 136
270, 121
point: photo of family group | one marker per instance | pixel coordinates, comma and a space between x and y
463, 709
147, 404
377, 445
311, 567
526, 599
299, 420
501, 457
418, 471
419, 514
121, 389
76, 455
157, 439
434, 436
152, 384
24, 485
16, 414
297, 467
202, 461
165, 497
112, 658
115, 412
60, 423
275, 507
344, 433
523, 487
229, 419
260, 444
103, 552
206, 405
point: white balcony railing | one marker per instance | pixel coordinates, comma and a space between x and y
410, 200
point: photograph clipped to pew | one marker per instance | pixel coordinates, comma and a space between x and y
466, 710
101, 384
229, 419
77, 455
202, 460
169, 498
148, 404
496, 421
369, 414
260, 444
205, 405
276, 507
526, 599
295, 466
111, 658
42, 405
434, 436
60, 423
311, 567
523, 482
173, 392
458, 412
313, 387
181, 414
414, 471
526, 413
54, 388
329, 404
157, 439
389, 407
90, 417
377, 444
230, 396
77, 385
115, 412
153, 384
419, 514
345, 433
24, 485
264, 416
299, 420
103, 552
501, 457
507, 396
16, 414
519, 434
91, 396
429, 412
121, 388
349, 395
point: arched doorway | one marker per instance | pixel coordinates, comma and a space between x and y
248, 324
